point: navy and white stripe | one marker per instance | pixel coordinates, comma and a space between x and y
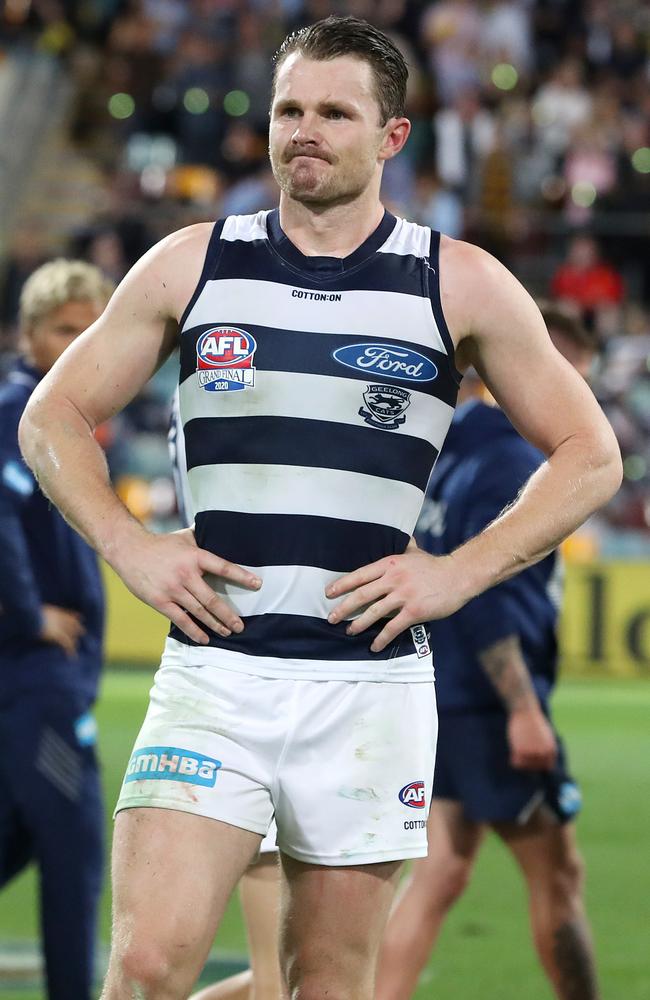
295, 475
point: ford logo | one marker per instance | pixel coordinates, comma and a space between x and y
390, 361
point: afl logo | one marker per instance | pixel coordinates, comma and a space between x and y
225, 359
412, 795
387, 360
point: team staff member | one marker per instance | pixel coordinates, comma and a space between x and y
319, 345
500, 764
51, 624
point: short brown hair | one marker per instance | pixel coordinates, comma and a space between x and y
565, 322
350, 36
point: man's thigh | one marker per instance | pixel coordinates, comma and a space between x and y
173, 873
332, 922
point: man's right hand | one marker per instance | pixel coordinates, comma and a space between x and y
62, 627
167, 572
531, 739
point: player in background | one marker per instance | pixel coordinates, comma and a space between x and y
319, 344
259, 886
500, 763
51, 625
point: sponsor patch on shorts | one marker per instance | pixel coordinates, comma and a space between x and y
413, 795
172, 764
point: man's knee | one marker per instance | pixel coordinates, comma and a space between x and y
314, 973
142, 967
447, 881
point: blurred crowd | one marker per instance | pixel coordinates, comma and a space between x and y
531, 137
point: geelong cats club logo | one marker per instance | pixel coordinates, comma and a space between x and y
385, 406
225, 359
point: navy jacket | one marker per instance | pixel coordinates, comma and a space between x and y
42, 561
482, 467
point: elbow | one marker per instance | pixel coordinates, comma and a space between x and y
610, 469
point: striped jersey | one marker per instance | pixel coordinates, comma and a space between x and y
315, 394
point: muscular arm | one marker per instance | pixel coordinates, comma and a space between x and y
94, 379
502, 333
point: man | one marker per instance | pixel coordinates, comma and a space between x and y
51, 623
500, 763
317, 383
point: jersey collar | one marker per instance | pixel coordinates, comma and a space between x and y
326, 267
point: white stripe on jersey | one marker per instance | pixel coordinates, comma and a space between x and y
315, 397
296, 489
245, 227
377, 315
285, 590
408, 238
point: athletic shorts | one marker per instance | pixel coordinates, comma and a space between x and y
345, 767
473, 767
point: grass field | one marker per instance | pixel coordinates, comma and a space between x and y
484, 952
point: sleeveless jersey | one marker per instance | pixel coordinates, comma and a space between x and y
315, 394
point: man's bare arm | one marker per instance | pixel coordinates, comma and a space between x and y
94, 379
530, 736
499, 329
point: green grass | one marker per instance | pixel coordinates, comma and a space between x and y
484, 952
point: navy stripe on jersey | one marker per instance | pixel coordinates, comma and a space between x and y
389, 273
436, 303
296, 540
310, 443
313, 354
297, 637
215, 247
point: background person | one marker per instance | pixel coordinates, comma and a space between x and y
51, 625
500, 764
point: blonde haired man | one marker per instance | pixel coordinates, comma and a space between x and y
51, 622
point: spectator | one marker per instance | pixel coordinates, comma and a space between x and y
585, 279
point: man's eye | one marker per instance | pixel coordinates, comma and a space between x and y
335, 114
291, 112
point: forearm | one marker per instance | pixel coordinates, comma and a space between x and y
574, 482
59, 446
504, 666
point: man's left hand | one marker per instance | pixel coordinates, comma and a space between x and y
407, 589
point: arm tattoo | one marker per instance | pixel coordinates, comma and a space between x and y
505, 667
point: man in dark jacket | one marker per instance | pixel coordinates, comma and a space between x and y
500, 764
51, 625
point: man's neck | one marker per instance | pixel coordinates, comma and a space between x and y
333, 232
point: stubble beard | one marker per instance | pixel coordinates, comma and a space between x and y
310, 187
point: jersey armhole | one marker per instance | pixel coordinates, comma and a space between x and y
433, 272
212, 254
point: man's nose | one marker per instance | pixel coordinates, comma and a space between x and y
306, 132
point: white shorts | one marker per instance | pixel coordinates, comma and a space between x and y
346, 767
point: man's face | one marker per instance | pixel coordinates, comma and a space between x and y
325, 136
48, 338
